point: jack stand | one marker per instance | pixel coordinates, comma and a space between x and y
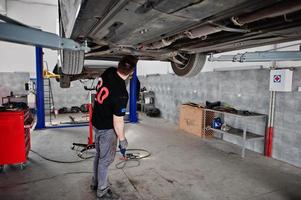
90, 144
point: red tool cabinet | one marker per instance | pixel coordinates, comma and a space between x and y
15, 136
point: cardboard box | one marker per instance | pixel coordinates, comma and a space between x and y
192, 118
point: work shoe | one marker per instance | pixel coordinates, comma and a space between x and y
107, 194
93, 185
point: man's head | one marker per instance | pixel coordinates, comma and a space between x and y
127, 65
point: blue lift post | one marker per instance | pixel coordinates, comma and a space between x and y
40, 89
133, 98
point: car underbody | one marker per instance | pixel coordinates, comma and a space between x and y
179, 31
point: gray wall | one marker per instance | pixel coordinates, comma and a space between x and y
247, 90
76, 95
21, 58
13, 81
73, 96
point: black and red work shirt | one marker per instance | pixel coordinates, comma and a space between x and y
111, 99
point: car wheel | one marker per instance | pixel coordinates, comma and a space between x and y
65, 81
191, 64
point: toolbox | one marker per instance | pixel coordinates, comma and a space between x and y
15, 125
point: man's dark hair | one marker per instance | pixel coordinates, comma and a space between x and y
127, 64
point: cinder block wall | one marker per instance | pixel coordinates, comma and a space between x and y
246, 90
13, 82
76, 95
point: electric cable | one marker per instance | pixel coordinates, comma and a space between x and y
133, 155
60, 161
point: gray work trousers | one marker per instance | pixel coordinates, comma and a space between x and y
105, 145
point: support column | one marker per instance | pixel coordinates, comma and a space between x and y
40, 89
270, 128
133, 98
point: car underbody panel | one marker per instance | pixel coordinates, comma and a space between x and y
178, 31
159, 29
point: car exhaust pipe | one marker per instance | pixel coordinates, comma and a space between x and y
279, 9
199, 32
202, 31
165, 42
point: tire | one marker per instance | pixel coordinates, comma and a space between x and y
84, 108
75, 109
193, 64
22, 166
65, 81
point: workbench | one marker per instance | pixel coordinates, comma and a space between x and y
244, 135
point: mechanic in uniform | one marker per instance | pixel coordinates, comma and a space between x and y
107, 119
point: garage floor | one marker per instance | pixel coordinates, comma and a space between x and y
65, 119
182, 167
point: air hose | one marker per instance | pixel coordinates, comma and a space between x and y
60, 161
132, 155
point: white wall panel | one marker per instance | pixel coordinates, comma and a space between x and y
15, 57
3, 7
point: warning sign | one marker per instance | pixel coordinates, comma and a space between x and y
277, 79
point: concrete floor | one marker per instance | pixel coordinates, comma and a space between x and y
64, 119
182, 167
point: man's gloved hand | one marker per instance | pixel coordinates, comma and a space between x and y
123, 144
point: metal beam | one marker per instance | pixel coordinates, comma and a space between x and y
260, 56
31, 36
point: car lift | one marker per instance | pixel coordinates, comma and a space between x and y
17, 32
263, 56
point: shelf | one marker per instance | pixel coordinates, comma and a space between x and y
251, 115
239, 133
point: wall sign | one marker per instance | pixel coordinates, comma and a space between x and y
281, 80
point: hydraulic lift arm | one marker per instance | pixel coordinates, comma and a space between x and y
16, 32
72, 53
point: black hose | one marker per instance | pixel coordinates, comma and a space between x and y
132, 155
59, 161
